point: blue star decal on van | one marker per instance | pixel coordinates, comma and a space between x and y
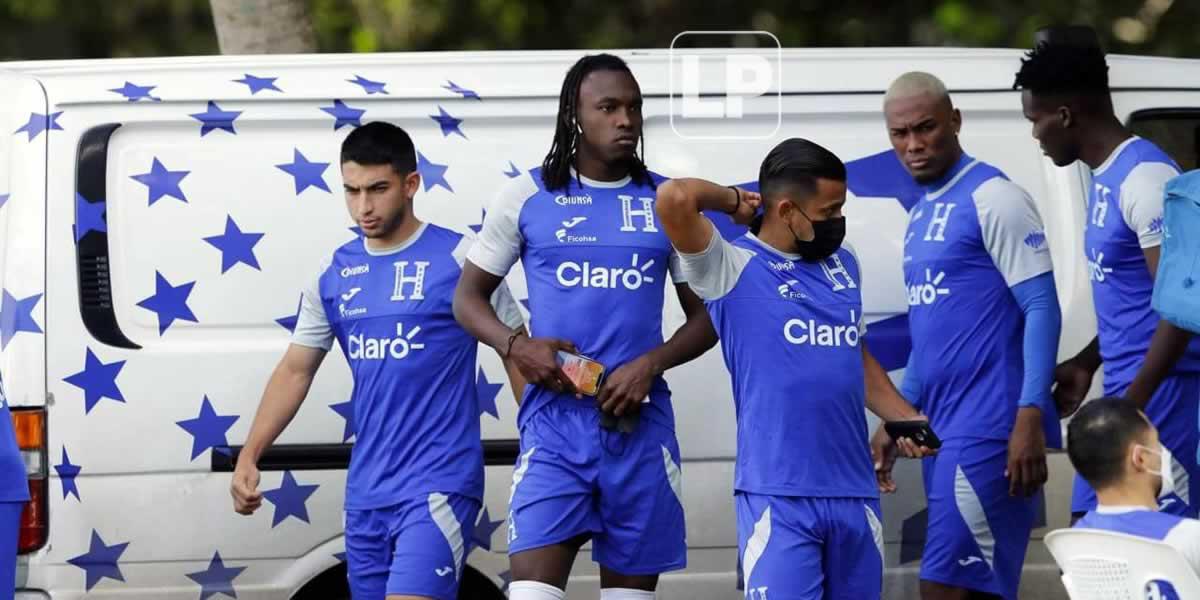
345, 410
368, 86
484, 530
169, 302
289, 499
213, 118
89, 217
100, 561
513, 172
38, 123
448, 123
462, 91
17, 316
304, 172
487, 391
235, 246
258, 84
161, 182
133, 92
208, 429
432, 173
98, 380
289, 322
217, 578
66, 475
344, 115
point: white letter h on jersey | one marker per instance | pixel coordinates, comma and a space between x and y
936, 232
646, 212
833, 267
417, 281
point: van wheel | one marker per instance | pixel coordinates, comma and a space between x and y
332, 585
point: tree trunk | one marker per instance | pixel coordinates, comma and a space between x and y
263, 26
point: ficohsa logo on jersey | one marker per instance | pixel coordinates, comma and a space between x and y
369, 348
587, 275
808, 332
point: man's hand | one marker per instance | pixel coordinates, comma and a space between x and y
1072, 382
883, 454
747, 209
1026, 469
536, 359
624, 389
244, 488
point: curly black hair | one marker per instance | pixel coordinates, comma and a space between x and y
556, 169
1063, 69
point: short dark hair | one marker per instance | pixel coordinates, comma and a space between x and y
1099, 436
1055, 68
797, 163
381, 143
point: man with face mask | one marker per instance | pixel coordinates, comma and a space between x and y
1116, 449
786, 303
975, 245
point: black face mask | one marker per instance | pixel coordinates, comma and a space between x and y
827, 238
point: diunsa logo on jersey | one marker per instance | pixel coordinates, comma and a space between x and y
562, 200
356, 270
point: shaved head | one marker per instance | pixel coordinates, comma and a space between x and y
922, 125
914, 84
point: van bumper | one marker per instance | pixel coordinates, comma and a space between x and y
31, 595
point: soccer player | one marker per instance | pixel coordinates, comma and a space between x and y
415, 483
1065, 95
787, 306
596, 263
1116, 449
14, 493
975, 246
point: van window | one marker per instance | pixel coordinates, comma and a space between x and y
1175, 130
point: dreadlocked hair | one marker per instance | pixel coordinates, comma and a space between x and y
556, 168
1052, 68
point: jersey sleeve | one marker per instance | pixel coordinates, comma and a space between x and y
499, 243
676, 269
502, 300
1142, 201
312, 324
714, 271
862, 319
1185, 538
1012, 231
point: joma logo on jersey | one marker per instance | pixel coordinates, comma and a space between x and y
573, 274
927, 293
1036, 240
362, 347
645, 214
1096, 269
414, 281
563, 237
356, 270
809, 332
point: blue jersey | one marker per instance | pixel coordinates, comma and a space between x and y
1125, 216
972, 236
14, 485
1179, 532
415, 410
790, 333
596, 265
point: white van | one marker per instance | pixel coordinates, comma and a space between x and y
143, 328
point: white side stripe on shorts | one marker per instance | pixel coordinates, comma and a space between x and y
443, 516
517, 476
876, 529
972, 512
674, 477
755, 546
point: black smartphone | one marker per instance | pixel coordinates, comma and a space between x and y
917, 431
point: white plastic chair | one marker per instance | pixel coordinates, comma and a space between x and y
1104, 565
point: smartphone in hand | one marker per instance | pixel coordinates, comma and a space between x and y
917, 431
583, 372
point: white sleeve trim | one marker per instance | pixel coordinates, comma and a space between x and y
1012, 230
1141, 198
1185, 538
714, 271
312, 324
675, 268
499, 243
502, 300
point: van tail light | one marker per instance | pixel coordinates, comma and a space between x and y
30, 427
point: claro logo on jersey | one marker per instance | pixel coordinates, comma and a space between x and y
1096, 270
362, 347
588, 275
808, 332
924, 294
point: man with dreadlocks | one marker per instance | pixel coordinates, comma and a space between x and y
596, 263
1065, 95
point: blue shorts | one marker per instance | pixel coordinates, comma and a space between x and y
415, 548
977, 533
623, 490
1175, 411
10, 530
803, 548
